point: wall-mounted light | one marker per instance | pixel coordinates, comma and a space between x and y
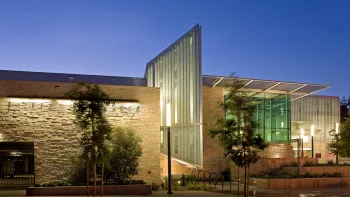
336, 128
312, 130
312, 139
302, 133
282, 124
65, 102
29, 100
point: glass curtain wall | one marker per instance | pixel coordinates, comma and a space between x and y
273, 117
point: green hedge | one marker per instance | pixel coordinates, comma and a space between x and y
286, 175
65, 183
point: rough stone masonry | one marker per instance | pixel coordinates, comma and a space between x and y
49, 123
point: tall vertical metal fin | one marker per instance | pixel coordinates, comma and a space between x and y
177, 71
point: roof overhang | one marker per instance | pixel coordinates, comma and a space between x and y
295, 89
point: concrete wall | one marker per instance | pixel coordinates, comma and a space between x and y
50, 124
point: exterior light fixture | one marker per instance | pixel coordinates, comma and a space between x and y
312, 139
302, 142
336, 128
168, 124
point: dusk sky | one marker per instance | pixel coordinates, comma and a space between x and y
296, 40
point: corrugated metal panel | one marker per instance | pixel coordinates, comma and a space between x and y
322, 111
180, 75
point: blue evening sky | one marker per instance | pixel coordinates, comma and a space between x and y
295, 40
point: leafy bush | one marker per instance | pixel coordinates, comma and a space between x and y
197, 186
155, 187
294, 164
62, 183
190, 179
286, 175
124, 158
121, 165
175, 183
309, 164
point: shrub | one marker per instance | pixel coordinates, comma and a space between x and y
155, 187
294, 164
61, 183
175, 183
38, 185
197, 186
190, 179
124, 158
309, 164
76, 172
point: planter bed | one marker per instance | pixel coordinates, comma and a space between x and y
82, 190
343, 170
300, 183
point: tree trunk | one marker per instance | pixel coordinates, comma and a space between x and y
87, 177
238, 180
245, 173
248, 182
336, 159
93, 155
94, 177
103, 169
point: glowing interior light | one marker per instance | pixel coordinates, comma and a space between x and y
65, 102
129, 104
161, 104
282, 124
28, 100
168, 115
302, 133
312, 130
337, 128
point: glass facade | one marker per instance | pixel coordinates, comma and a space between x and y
177, 71
272, 116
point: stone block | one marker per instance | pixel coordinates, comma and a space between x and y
277, 183
329, 169
344, 170
316, 170
292, 183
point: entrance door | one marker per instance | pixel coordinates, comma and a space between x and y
16, 164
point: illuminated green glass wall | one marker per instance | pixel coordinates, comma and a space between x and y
273, 117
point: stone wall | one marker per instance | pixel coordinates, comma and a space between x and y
49, 123
278, 151
213, 155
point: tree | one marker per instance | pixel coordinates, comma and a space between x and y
340, 144
89, 107
237, 136
124, 157
344, 109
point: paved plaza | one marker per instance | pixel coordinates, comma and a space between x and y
330, 192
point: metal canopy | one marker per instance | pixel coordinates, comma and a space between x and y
296, 89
